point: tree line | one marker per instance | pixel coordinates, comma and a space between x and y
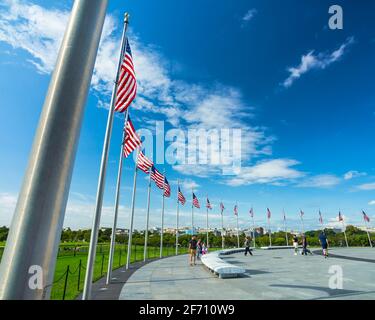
356, 237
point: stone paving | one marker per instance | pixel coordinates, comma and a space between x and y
271, 274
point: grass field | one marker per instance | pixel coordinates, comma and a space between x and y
74, 257
77, 266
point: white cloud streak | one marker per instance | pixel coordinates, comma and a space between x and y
312, 61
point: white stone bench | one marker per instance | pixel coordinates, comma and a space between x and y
221, 268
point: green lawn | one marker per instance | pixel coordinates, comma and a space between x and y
75, 279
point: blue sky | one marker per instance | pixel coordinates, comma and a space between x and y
302, 94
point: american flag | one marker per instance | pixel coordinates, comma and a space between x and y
235, 210
251, 212
167, 188
132, 140
157, 177
320, 217
195, 201
268, 213
340, 217
144, 163
208, 204
301, 213
222, 207
181, 197
365, 216
127, 83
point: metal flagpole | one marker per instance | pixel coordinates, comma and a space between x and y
303, 225
222, 229
346, 239
177, 217
269, 231
117, 200
253, 231
207, 222
192, 213
368, 234
37, 222
148, 216
162, 218
102, 174
286, 233
130, 237
238, 234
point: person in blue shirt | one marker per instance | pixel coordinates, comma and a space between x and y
324, 243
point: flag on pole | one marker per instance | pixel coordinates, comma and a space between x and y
284, 216
132, 140
127, 83
181, 197
235, 210
208, 204
251, 212
365, 216
320, 217
222, 207
195, 201
144, 163
301, 213
157, 177
268, 213
340, 217
167, 188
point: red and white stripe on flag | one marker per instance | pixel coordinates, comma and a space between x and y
157, 177
167, 188
132, 140
222, 207
268, 213
365, 217
340, 217
181, 197
208, 204
127, 83
144, 163
196, 202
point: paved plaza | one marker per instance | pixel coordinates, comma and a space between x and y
270, 274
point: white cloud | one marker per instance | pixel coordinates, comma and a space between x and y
34, 29
320, 181
335, 223
371, 203
366, 186
353, 174
269, 171
312, 61
249, 15
189, 184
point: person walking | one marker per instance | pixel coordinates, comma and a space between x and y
324, 243
199, 249
247, 246
305, 251
204, 249
295, 244
193, 249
